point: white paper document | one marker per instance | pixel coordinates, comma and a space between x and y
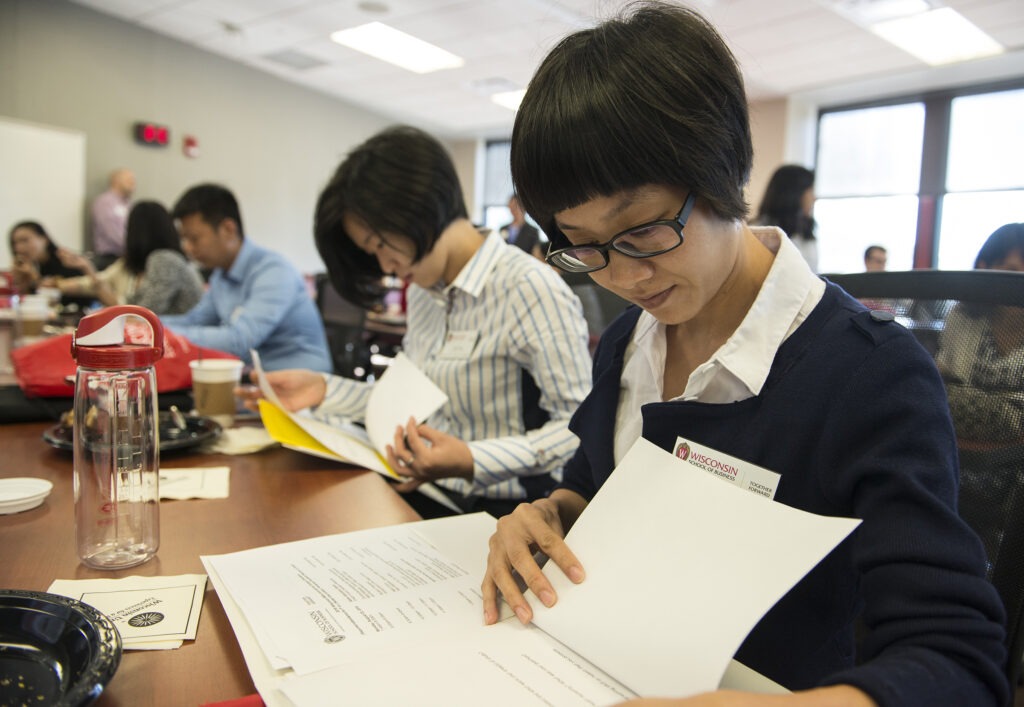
403, 391
332, 599
150, 612
506, 665
195, 482
679, 567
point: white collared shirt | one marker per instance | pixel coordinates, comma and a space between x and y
739, 368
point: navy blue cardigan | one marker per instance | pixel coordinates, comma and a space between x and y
854, 417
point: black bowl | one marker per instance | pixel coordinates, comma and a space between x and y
54, 650
172, 439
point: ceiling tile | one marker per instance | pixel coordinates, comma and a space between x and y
784, 46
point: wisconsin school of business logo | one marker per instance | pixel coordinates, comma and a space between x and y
683, 451
147, 618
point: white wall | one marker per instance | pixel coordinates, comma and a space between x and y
42, 170
465, 154
273, 143
768, 132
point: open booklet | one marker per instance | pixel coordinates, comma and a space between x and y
403, 391
680, 567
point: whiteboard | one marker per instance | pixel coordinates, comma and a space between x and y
42, 178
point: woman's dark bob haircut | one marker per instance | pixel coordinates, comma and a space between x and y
652, 97
1003, 242
36, 228
149, 228
782, 204
400, 182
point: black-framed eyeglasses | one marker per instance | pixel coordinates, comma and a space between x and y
644, 241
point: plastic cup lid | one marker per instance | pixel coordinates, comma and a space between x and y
21, 493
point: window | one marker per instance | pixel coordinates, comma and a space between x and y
497, 184
928, 177
985, 182
498, 188
869, 168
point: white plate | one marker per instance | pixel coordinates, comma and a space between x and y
22, 493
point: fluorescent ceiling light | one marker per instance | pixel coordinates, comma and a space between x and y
937, 37
868, 12
509, 99
391, 45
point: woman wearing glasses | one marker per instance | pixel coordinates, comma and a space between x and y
631, 149
492, 326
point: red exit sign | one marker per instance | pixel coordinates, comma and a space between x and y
152, 134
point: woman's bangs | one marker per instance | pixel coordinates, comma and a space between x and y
558, 165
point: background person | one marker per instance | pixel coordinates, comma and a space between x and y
788, 203
256, 299
109, 217
153, 272
875, 258
631, 148
36, 259
520, 233
981, 357
495, 329
981, 352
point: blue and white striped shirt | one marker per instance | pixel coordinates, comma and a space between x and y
526, 318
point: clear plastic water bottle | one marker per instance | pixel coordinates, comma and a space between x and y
116, 440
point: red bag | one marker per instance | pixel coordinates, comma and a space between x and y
42, 368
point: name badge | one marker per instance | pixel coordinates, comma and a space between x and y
751, 477
458, 345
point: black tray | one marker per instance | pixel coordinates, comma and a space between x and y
172, 439
54, 650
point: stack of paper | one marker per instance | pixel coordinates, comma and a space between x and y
670, 594
403, 392
151, 613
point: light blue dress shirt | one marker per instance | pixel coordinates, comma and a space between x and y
260, 303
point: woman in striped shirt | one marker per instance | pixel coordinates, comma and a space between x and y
516, 364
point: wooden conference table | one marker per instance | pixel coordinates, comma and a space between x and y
277, 495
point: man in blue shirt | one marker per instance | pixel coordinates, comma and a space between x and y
256, 298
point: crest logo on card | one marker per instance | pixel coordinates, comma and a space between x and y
683, 451
146, 618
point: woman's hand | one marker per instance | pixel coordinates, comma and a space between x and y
25, 274
423, 454
531, 527
296, 388
77, 261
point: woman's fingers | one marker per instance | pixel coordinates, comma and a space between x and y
499, 579
531, 527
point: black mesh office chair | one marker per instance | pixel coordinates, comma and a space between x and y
600, 306
973, 324
344, 325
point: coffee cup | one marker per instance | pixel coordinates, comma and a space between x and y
213, 388
6, 340
52, 294
33, 314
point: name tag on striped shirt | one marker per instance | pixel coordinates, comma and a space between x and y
458, 345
